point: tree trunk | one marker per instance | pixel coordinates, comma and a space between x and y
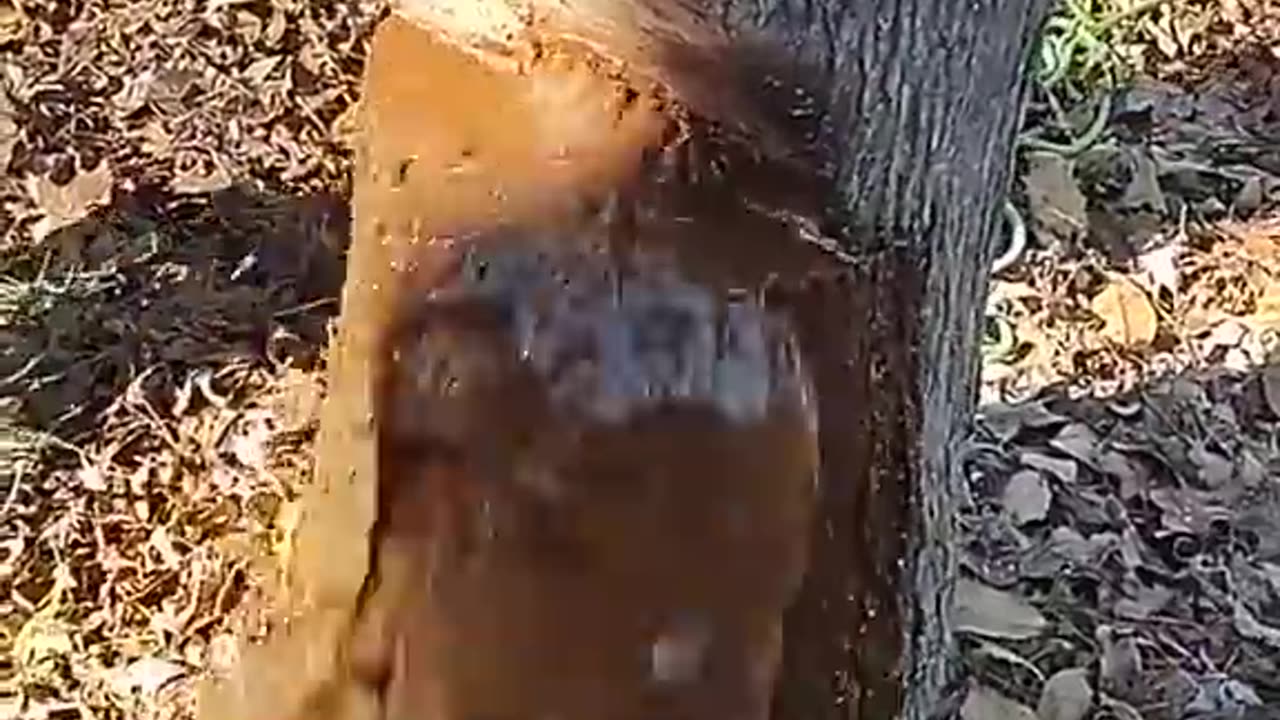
840, 166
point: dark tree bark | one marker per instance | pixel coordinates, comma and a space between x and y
864, 147
922, 102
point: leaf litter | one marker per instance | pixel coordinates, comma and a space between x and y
171, 226
1124, 469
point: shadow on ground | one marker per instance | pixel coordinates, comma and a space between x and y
161, 370
153, 288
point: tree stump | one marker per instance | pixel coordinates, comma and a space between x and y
646, 382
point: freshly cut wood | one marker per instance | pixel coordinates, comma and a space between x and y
658, 330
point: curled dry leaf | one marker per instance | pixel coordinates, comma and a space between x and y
983, 610
983, 703
1128, 318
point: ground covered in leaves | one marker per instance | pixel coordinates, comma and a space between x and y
170, 222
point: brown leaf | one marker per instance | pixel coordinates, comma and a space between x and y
1127, 315
10, 131
13, 22
65, 205
194, 177
1266, 313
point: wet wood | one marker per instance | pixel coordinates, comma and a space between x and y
648, 377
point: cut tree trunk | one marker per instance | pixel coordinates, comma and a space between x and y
659, 334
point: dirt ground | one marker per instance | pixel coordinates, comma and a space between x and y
171, 224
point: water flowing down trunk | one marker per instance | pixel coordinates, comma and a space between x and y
659, 334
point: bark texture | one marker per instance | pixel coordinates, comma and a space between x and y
917, 104
867, 152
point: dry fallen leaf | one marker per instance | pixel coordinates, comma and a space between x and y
987, 611
1027, 497
147, 675
41, 643
1066, 696
1248, 625
1266, 313
1120, 664
1000, 653
983, 703
10, 131
1127, 314
1057, 209
1221, 696
1006, 421
13, 22
1064, 470
1160, 266
91, 478
1014, 291
1271, 387
65, 205
1147, 601
162, 542
1215, 470
1078, 441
